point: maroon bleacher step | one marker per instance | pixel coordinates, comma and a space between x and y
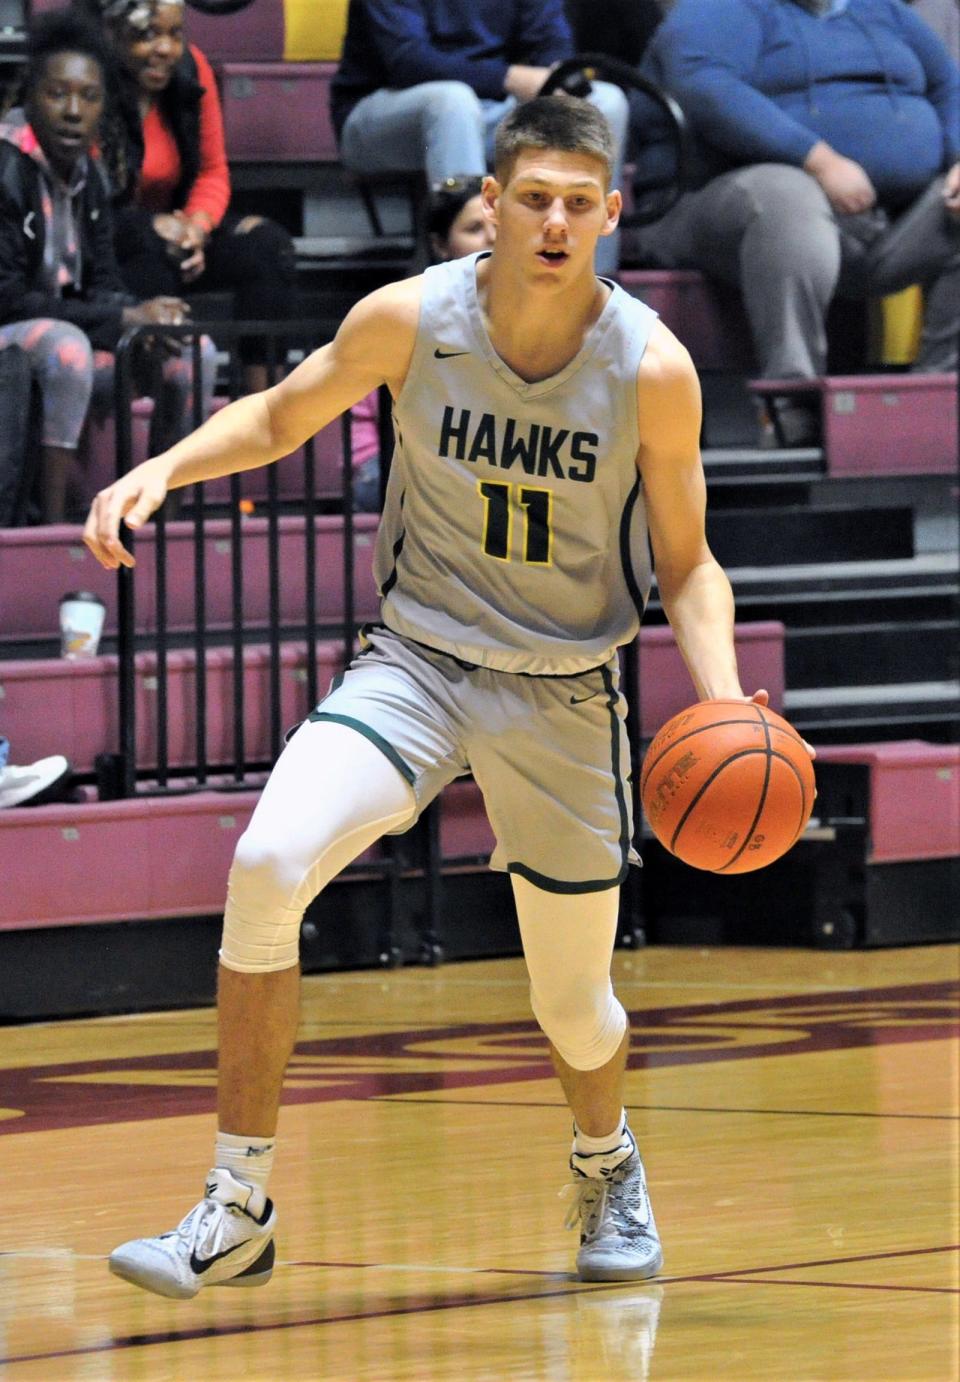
154, 857
72, 707
38, 565
254, 31
97, 459
109, 861
914, 797
882, 424
706, 316
278, 112
665, 685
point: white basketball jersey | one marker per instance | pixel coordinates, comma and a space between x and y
514, 533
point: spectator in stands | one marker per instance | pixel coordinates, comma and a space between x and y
829, 132
422, 84
456, 226
164, 145
618, 28
61, 296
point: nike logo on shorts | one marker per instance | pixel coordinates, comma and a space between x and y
448, 354
579, 700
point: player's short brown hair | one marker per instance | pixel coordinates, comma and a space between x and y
561, 122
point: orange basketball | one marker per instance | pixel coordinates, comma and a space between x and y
727, 786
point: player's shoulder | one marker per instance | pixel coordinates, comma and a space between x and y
666, 361
385, 319
395, 304
668, 390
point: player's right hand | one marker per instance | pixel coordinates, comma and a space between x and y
132, 499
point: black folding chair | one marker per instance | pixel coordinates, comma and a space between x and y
655, 195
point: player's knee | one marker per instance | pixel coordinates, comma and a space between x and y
261, 929
584, 1023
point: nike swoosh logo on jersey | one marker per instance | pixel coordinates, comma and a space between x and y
203, 1264
579, 700
448, 354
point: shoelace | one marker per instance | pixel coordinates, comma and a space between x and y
591, 1198
205, 1227
584, 1196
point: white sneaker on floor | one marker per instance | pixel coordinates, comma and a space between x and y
225, 1240
618, 1236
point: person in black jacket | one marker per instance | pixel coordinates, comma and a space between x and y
61, 296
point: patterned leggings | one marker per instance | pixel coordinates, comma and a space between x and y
75, 379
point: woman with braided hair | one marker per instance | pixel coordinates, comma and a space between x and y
163, 143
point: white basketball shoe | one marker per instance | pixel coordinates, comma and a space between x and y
225, 1240
618, 1236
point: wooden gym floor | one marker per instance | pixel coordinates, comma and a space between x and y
797, 1112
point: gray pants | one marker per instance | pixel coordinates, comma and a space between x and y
769, 230
446, 129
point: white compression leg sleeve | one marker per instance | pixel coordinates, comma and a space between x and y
568, 943
330, 796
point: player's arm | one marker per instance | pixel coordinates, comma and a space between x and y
374, 345
694, 589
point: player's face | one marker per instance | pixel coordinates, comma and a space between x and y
151, 54
65, 107
550, 214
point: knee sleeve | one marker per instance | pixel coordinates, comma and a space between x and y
331, 795
261, 927
584, 1022
568, 945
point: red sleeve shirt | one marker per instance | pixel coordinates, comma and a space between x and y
161, 171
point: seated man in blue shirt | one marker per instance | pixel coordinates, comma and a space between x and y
830, 135
423, 84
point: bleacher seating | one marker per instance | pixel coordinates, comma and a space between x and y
707, 317
81, 699
57, 561
914, 797
259, 104
255, 33
914, 414
845, 616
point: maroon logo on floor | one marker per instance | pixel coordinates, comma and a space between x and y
379, 1065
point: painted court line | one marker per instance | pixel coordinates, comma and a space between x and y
400, 1099
835, 1285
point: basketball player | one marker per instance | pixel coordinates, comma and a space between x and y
546, 423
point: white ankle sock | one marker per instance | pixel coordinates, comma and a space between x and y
599, 1156
248, 1158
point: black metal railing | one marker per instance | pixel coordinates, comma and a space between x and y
155, 771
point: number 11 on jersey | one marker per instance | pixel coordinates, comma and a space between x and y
501, 501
